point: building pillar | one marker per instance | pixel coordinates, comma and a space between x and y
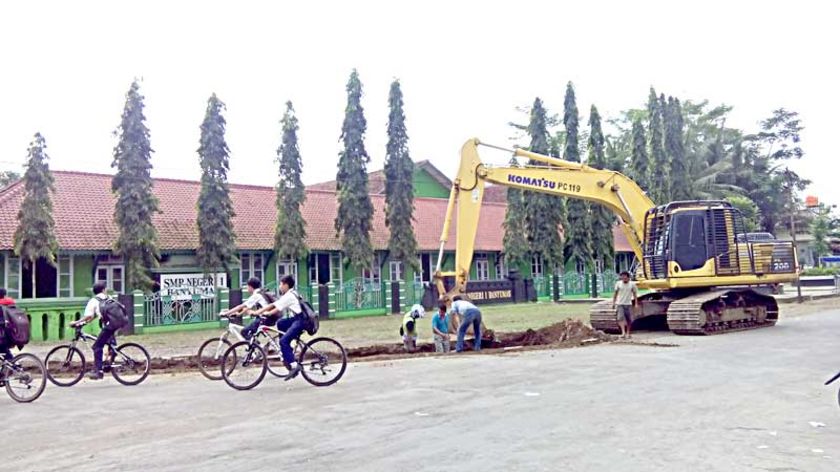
139, 299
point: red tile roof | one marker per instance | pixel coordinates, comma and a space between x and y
83, 206
376, 179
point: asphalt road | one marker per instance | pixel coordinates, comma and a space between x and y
750, 401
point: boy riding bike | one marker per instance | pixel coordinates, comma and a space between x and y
112, 320
257, 300
292, 326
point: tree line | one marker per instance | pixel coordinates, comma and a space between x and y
136, 204
675, 150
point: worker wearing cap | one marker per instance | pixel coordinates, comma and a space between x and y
408, 330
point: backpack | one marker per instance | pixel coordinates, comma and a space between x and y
311, 323
268, 297
16, 326
113, 313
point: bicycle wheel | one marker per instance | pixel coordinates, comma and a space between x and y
27, 379
323, 361
209, 357
131, 364
65, 366
275, 359
244, 366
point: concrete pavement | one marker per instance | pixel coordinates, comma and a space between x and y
736, 402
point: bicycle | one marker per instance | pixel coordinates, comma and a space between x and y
836, 376
323, 361
129, 363
211, 351
24, 377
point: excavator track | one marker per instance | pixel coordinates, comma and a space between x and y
714, 312
709, 312
602, 316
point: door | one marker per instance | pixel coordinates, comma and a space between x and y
689, 240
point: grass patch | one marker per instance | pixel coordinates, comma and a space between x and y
382, 329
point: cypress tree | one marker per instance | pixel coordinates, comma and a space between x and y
674, 146
639, 163
660, 188
399, 184
136, 203
543, 213
516, 233
579, 229
602, 218
355, 210
34, 237
216, 238
290, 229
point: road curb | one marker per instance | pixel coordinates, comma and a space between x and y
808, 298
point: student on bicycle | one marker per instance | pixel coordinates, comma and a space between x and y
108, 333
292, 326
257, 299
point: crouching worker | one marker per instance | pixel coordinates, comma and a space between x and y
468, 315
408, 330
440, 326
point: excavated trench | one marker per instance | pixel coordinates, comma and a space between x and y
565, 334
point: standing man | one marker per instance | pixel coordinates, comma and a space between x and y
624, 299
440, 326
468, 314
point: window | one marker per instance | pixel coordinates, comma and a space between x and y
501, 267
427, 268
580, 266
396, 270
373, 275
536, 265
251, 265
112, 275
482, 267
13, 276
325, 268
287, 267
64, 284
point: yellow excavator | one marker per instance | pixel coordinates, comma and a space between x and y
704, 272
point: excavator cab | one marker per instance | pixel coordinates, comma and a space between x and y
687, 242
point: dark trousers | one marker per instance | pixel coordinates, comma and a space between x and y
292, 327
252, 328
471, 317
7, 353
105, 337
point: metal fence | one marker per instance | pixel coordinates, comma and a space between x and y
161, 310
357, 294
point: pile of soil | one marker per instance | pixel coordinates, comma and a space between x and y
567, 333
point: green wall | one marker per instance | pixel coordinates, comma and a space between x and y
82, 275
426, 186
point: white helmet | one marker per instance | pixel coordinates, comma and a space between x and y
417, 311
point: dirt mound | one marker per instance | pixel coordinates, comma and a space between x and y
566, 333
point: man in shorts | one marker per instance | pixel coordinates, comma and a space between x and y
624, 299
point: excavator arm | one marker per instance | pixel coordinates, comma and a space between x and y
562, 178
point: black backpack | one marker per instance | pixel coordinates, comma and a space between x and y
311, 323
14, 327
113, 313
268, 297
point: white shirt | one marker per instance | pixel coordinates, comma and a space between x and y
461, 306
92, 307
625, 292
255, 299
288, 301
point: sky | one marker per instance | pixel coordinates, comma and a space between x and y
464, 68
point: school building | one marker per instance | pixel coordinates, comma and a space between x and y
83, 207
